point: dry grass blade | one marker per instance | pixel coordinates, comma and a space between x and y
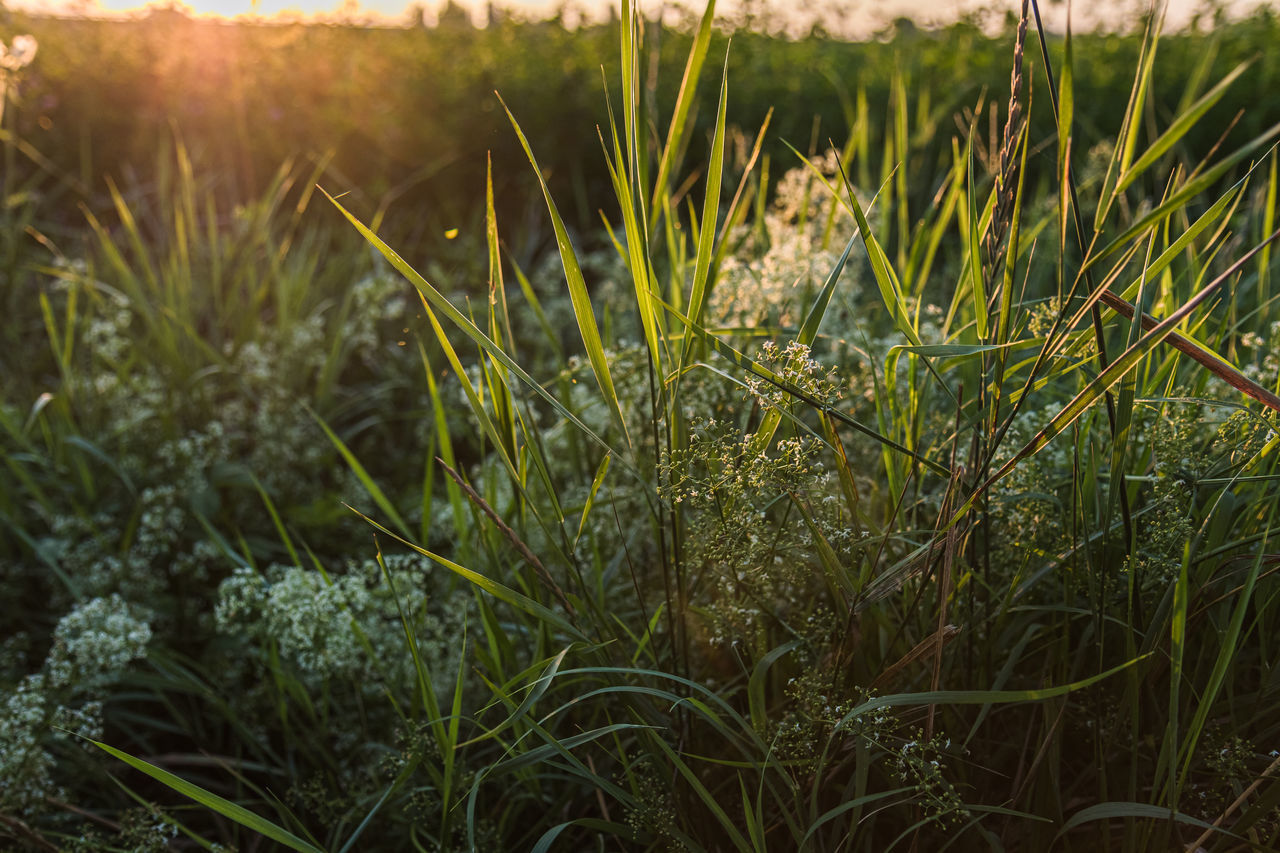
532, 559
1239, 801
1206, 358
932, 644
919, 560
1127, 361
20, 829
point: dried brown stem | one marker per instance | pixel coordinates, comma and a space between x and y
929, 645
523, 549
1197, 352
1248, 792
26, 834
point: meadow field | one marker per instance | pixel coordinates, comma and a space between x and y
627, 436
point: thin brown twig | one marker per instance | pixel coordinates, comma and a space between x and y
107, 822
927, 646
532, 559
26, 834
1227, 373
1257, 783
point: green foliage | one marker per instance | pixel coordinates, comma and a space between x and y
840, 504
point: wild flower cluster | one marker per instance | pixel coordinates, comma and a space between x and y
1264, 366
788, 256
801, 375
745, 535
347, 627
172, 459
653, 812
93, 646
746, 508
921, 764
1027, 511
820, 699
1228, 764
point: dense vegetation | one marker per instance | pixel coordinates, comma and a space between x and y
680, 490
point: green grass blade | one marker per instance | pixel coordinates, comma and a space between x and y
1168, 760
374, 490
699, 291
976, 277
637, 248
1116, 811
1177, 201
213, 802
1268, 225
1227, 651
583, 310
704, 795
559, 746
536, 691
756, 685
445, 307
833, 813
1179, 128
600, 827
1066, 100
684, 102
596, 482
980, 697
492, 587
275, 519
1127, 136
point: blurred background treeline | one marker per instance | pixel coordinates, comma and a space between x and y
402, 117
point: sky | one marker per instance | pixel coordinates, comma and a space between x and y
851, 17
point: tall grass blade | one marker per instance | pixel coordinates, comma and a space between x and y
1126, 362
1146, 811
212, 801
685, 99
699, 290
1179, 128
439, 303
371, 487
583, 310
980, 697
502, 593
708, 800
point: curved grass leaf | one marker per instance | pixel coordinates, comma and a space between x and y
1119, 811
707, 798
445, 307
616, 830
492, 587
583, 310
210, 800
755, 685
699, 293
831, 814
684, 102
979, 697
1179, 128
375, 492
